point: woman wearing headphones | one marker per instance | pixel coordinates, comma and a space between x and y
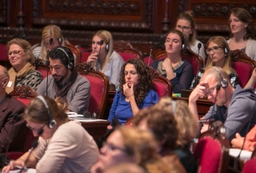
104, 58
217, 50
63, 145
51, 38
173, 67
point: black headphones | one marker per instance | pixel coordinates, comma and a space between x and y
226, 49
51, 122
70, 64
223, 82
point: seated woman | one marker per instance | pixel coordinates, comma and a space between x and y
162, 124
186, 24
131, 145
218, 55
51, 38
136, 91
243, 32
22, 60
63, 145
187, 128
173, 67
104, 58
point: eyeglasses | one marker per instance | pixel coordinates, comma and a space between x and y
111, 147
182, 27
214, 49
210, 90
35, 129
15, 52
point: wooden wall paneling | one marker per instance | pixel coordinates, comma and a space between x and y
212, 16
127, 15
3, 12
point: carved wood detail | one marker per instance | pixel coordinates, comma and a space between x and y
219, 10
3, 12
129, 14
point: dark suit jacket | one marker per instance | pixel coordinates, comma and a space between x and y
8, 107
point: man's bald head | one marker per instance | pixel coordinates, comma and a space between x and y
217, 74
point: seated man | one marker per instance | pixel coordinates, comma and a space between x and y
235, 107
12, 126
65, 82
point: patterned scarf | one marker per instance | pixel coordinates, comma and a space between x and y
15, 77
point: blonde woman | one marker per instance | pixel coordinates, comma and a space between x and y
217, 50
104, 58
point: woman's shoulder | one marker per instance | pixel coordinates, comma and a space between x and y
115, 55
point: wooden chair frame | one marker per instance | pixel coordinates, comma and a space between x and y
24, 92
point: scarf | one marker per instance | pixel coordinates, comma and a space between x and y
15, 77
62, 92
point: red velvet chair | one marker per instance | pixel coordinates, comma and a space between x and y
211, 153
74, 50
24, 94
162, 86
243, 65
126, 50
85, 51
99, 88
194, 59
42, 68
250, 166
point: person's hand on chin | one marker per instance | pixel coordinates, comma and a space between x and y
128, 90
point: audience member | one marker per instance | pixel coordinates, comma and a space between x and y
22, 60
246, 143
11, 124
65, 82
136, 91
242, 31
235, 107
173, 67
133, 146
162, 124
51, 38
218, 55
186, 24
63, 146
104, 57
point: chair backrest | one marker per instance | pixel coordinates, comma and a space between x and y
3, 51
99, 88
85, 50
211, 153
126, 50
190, 56
24, 94
243, 65
42, 68
162, 86
74, 50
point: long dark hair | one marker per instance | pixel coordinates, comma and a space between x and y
145, 79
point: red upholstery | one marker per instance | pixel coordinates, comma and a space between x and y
3, 52
250, 166
192, 61
211, 154
25, 101
24, 94
99, 89
162, 86
244, 72
43, 71
85, 51
126, 50
243, 65
148, 60
126, 55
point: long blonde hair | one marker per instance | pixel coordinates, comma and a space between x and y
51, 31
106, 36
